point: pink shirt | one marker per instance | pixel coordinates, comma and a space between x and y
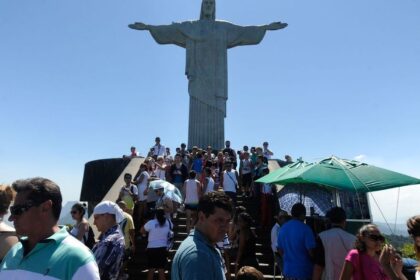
371, 267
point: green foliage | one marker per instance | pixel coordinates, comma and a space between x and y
397, 241
404, 244
407, 251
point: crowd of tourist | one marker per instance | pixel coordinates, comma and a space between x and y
219, 231
335, 253
225, 169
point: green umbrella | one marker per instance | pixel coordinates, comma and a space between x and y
346, 175
278, 173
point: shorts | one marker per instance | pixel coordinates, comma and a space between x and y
157, 257
191, 206
246, 180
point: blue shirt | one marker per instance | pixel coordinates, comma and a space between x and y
197, 165
295, 240
109, 253
196, 258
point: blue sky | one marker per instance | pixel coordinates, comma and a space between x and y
76, 84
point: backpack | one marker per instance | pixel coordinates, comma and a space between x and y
122, 225
90, 240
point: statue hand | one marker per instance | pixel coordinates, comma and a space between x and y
276, 25
138, 26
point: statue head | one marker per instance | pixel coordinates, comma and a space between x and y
208, 9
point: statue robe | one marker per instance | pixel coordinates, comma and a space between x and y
206, 43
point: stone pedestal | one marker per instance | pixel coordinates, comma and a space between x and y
206, 126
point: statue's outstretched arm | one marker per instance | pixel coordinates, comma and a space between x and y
139, 26
163, 34
275, 26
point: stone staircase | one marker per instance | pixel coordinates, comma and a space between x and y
137, 266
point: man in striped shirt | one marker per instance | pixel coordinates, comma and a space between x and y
46, 251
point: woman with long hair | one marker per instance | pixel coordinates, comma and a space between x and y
7, 233
81, 229
208, 185
160, 168
371, 260
246, 251
233, 231
156, 251
413, 228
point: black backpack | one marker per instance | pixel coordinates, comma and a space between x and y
90, 240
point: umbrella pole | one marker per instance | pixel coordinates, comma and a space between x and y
336, 198
342, 165
396, 211
383, 216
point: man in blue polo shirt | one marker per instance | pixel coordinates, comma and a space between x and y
46, 251
296, 243
197, 257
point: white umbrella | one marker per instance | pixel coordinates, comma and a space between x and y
170, 190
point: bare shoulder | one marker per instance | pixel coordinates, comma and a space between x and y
9, 241
6, 228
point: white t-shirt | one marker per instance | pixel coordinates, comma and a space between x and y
274, 236
191, 195
229, 181
160, 173
75, 231
169, 159
132, 188
158, 236
159, 150
246, 166
266, 154
210, 185
142, 186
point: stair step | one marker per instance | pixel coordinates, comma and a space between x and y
137, 268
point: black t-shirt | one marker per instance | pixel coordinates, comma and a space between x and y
231, 153
178, 175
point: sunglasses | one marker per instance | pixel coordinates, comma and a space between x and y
375, 237
19, 209
73, 212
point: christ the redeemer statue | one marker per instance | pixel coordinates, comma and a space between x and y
206, 42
